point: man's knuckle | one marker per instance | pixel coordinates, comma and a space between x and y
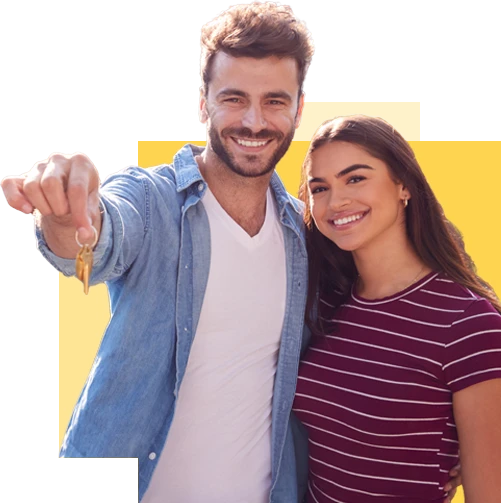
42, 162
30, 186
50, 182
76, 189
60, 211
57, 157
80, 159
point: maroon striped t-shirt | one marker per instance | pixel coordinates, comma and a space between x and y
376, 394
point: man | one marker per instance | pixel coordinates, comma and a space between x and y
206, 362
206, 268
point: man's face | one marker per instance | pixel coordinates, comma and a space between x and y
251, 110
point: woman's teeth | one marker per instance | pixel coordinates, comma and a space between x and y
347, 220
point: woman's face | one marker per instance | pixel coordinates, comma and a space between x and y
353, 200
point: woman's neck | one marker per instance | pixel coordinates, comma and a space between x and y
386, 270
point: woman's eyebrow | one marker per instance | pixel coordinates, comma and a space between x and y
353, 167
342, 173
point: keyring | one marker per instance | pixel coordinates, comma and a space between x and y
95, 238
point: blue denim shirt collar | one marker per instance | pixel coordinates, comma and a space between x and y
186, 167
188, 173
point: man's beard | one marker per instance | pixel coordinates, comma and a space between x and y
246, 134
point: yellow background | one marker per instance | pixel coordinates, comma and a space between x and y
117, 76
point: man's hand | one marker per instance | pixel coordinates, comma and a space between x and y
64, 190
455, 481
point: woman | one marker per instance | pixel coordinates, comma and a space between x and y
405, 364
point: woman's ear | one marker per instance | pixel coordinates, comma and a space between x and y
404, 195
404, 192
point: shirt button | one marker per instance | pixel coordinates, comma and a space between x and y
152, 456
200, 187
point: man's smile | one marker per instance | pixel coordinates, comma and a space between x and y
253, 146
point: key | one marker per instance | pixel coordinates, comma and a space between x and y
85, 261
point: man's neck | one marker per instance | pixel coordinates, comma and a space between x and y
243, 198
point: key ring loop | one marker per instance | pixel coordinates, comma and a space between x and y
95, 238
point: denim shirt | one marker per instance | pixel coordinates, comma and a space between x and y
154, 254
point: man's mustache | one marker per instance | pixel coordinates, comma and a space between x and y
247, 134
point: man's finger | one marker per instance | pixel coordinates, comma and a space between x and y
12, 187
78, 193
33, 192
54, 182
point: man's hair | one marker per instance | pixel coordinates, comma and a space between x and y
256, 30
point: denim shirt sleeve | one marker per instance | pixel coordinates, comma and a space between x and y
124, 203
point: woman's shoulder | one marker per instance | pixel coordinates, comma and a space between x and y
443, 290
473, 346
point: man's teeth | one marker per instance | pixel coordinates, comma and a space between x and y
347, 220
248, 143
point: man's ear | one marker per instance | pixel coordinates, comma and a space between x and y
299, 114
202, 107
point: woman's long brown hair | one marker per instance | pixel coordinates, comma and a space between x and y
436, 241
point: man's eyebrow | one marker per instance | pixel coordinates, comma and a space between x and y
278, 94
270, 95
316, 180
342, 173
231, 92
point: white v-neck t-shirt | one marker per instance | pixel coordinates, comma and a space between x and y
218, 449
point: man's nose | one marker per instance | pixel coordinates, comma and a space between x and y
254, 118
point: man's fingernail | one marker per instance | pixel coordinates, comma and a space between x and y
447, 487
27, 208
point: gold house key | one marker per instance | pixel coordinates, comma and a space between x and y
85, 261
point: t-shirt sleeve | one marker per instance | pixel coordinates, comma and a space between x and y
473, 352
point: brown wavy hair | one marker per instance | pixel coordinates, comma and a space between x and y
437, 242
256, 30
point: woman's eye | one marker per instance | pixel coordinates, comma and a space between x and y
356, 179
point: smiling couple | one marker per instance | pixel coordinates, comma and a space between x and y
198, 378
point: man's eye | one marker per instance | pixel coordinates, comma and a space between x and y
316, 190
276, 102
232, 100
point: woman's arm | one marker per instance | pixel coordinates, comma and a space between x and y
477, 411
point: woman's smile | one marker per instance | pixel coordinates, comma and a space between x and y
348, 221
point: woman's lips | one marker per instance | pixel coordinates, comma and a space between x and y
348, 221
